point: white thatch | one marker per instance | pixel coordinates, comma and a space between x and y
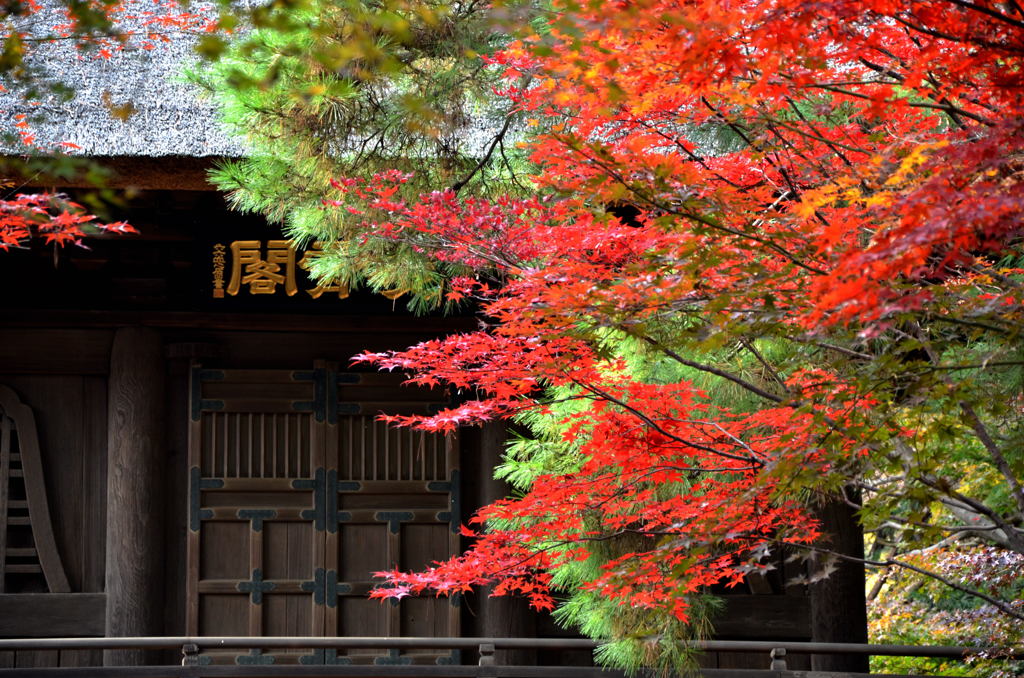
135, 103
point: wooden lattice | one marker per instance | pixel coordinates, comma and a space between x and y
29, 561
298, 494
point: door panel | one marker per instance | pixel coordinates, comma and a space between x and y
298, 495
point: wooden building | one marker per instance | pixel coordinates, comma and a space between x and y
185, 449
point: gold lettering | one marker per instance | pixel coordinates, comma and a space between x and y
218, 270
262, 275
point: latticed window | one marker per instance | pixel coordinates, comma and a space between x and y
29, 561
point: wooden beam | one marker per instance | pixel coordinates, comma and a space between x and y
838, 605
177, 173
51, 615
504, 616
135, 475
53, 351
395, 323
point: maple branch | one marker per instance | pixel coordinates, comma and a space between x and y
674, 140
996, 275
892, 562
657, 427
696, 217
707, 368
935, 33
843, 350
827, 142
976, 366
955, 117
980, 430
948, 108
997, 455
969, 323
458, 185
957, 501
816, 137
508, 166
988, 11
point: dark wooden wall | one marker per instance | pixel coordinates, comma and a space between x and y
61, 375
59, 318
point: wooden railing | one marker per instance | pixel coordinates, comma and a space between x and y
191, 648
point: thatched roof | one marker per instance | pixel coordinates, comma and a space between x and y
135, 103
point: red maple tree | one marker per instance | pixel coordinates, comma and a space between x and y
842, 176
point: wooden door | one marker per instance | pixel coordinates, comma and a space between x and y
298, 494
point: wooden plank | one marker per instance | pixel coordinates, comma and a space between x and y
453, 452
394, 556
46, 351
256, 565
396, 487
224, 550
72, 441
421, 546
754, 616
362, 549
224, 615
5, 468
226, 586
76, 658
192, 547
256, 485
177, 486
324, 543
288, 556
375, 515
263, 338
25, 568
52, 615
178, 173
759, 584
37, 659
227, 379
743, 660
61, 452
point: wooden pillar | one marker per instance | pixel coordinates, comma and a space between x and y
135, 469
179, 358
503, 617
838, 605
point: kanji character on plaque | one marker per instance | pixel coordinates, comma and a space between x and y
262, 274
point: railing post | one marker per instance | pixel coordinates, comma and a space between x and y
190, 655
486, 661
778, 655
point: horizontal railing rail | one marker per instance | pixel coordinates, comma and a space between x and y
202, 643
192, 647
